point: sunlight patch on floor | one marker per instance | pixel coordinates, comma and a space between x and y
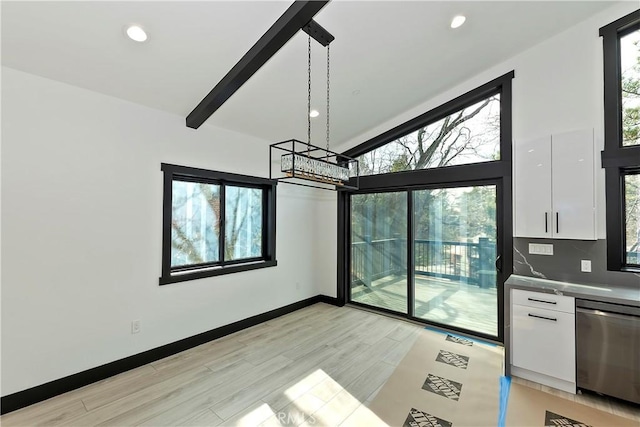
316, 400
252, 417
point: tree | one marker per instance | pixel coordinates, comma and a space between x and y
196, 223
631, 90
379, 220
470, 135
194, 230
632, 215
630, 85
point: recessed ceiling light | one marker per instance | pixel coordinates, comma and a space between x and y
314, 113
458, 21
136, 33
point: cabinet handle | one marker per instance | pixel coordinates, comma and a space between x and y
542, 317
557, 222
541, 300
546, 222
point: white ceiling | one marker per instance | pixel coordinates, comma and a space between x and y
388, 56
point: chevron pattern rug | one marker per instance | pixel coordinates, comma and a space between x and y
444, 380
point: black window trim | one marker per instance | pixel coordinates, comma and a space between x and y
617, 160
493, 87
217, 268
471, 171
497, 171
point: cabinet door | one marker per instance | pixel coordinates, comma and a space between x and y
543, 341
533, 188
573, 185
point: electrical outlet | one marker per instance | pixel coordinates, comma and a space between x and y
540, 249
585, 265
135, 326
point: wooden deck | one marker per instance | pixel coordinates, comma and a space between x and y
438, 300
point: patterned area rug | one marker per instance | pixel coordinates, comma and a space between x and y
443, 381
529, 407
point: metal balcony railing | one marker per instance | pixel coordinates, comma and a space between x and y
461, 261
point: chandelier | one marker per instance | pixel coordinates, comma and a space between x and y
303, 163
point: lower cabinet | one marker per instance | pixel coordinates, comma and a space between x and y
543, 339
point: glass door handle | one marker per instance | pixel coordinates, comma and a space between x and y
499, 263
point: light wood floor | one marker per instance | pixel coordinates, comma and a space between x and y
318, 366
322, 362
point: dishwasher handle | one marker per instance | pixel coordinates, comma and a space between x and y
608, 314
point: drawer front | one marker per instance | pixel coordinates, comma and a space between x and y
543, 301
543, 341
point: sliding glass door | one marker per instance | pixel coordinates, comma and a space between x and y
455, 235
379, 250
445, 272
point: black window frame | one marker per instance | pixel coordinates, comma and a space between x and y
617, 160
224, 179
496, 172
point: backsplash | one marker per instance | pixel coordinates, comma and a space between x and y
564, 264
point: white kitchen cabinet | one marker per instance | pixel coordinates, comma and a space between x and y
543, 338
555, 187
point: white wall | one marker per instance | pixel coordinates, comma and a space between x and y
326, 247
557, 87
82, 199
81, 220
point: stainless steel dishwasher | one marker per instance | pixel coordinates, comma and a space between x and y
608, 349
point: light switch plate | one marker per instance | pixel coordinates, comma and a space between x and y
585, 265
540, 249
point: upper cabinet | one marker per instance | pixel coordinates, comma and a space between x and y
554, 186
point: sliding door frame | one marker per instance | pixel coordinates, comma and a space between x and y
501, 246
498, 172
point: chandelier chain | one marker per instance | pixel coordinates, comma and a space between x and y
328, 91
309, 97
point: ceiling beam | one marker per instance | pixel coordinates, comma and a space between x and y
297, 16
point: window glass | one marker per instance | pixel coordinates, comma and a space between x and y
471, 135
243, 223
632, 218
379, 250
195, 224
630, 79
215, 223
455, 251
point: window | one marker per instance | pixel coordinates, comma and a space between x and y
632, 218
630, 87
433, 215
215, 223
470, 135
621, 155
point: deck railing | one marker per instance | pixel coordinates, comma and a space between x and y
461, 261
